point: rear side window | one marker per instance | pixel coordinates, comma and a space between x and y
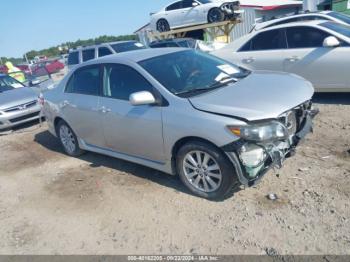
88, 54
73, 58
175, 6
121, 81
85, 81
305, 37
103, 51
269, 40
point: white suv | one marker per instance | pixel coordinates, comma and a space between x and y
83, 54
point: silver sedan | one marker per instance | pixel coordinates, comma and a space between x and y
183, 112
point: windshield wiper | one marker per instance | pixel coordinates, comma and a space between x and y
223, 82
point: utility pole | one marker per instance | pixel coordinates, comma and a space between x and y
30, 69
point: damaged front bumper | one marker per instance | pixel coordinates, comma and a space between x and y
231, 9
252, 160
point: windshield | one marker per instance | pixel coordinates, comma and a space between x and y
191, 72
339, 28
127, 46
8, 83
340, 16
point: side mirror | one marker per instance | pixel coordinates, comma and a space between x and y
194, 4
34, 82
142, 98
331, 41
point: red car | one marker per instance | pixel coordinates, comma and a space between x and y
3, 69
24, 68
52, 66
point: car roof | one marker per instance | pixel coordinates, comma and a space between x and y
262, 25
98, 45
135, 55
299, 23
172, 40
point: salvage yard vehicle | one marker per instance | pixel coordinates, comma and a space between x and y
316, 50
18, 103
193, 12
82, 54
182, 112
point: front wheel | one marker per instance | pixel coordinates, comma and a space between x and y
205, 170
215, 15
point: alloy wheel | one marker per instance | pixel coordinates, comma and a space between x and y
67, 139
202, 171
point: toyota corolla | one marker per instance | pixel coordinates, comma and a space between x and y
185, 113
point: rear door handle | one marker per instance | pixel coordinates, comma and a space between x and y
105, 110
248, 60
293, 59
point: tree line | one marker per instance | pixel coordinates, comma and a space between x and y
63, 48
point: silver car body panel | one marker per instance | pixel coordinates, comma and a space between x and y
147, 134
323, 67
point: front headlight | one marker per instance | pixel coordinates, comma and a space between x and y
261, 132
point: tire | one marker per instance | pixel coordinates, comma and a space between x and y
215, 15
225, 179
64, 133
163, 26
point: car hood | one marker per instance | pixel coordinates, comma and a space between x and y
16, 97
261, 95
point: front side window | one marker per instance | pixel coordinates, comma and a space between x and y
269, 40
73, 58
190, 72
88, 54
85, 81
175, 6
120, 81
305, 37
127, 46
103, 51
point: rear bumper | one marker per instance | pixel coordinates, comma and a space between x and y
276, 154
10, 120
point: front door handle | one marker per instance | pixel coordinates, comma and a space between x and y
66, 103
105, 110
248, 60
293, 59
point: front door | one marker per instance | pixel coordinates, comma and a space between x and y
128, 129
324, 67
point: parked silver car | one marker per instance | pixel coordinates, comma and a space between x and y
316, 50
182, 112
18, 103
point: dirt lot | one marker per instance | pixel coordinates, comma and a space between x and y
54, 204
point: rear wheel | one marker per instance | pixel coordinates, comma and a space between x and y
68, 139
163, 26
205, 170
215, 15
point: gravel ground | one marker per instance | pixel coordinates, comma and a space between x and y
54, 204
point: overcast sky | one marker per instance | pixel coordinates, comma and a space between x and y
36, 24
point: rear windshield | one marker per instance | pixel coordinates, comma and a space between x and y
127, 46
73, 58
339, 28
340, 16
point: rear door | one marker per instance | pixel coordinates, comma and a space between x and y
263, 51
80, 106
325, 67
128, 129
